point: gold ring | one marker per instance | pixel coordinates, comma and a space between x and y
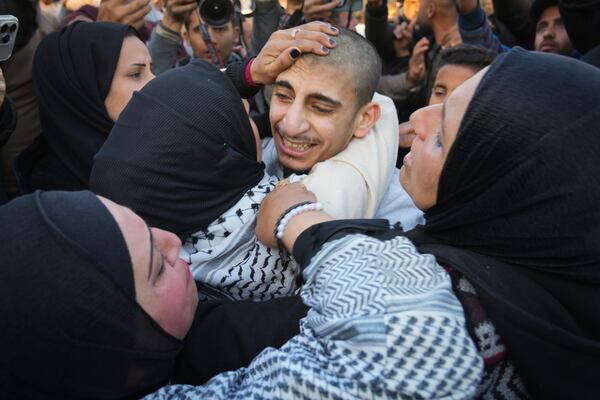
295, 32
282, 183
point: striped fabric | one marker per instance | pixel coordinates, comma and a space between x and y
383, 323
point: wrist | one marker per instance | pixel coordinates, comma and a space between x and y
250, 74
169, 22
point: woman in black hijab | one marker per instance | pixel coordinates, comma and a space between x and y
507, 173
80, 315
84, 76
183, 156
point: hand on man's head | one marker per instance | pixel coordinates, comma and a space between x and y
124, 12
285, 46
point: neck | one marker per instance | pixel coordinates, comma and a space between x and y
441, 26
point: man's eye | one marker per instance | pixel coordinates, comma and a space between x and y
282, 97
322, 110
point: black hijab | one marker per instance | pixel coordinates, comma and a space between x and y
519, 195
182, 151
73, 70
71, 327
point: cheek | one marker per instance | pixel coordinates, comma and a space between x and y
175, 305
120, 94
277, 111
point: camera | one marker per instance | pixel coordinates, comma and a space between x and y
216, 12
9, 25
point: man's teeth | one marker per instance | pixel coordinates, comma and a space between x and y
295, 146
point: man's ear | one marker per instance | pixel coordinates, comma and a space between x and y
431, 9
368, 115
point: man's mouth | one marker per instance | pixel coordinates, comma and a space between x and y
547, 47
295, 149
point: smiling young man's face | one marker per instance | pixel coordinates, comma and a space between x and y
313, 114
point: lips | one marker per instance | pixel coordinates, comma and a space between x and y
547, 46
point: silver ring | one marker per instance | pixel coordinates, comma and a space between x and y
295, 32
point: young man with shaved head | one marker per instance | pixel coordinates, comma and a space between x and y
320, 105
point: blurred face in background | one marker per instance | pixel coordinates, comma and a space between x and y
550, 33
223, 38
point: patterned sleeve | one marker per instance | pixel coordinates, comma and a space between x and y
383, 323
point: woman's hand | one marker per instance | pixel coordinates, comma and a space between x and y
275, 204
285, 46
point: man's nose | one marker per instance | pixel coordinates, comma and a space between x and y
294, 123
548, 33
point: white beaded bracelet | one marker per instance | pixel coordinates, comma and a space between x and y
292, 213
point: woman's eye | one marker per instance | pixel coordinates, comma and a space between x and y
438, 139
136, 75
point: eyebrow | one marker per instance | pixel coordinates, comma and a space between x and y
151, 252
316, 96
139, 65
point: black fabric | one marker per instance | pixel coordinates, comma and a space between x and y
582, 22
182, 152
538, 7
71, 327
523, 188
236, 72
592, 57
73, 71
8, 120
227, 335
517, 214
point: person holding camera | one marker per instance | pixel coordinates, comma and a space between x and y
209, 29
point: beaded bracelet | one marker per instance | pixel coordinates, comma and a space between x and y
291, 213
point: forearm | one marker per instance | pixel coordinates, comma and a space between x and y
377, 30
265, 22
238, 73
475, 30
163, 46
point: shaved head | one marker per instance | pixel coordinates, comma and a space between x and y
357, 60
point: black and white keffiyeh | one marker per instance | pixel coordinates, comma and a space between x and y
228, 261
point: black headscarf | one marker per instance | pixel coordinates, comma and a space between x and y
71, 327
520, 194
182, 151
73, 70
582, 22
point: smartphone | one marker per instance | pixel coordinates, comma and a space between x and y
348, 5
9, 25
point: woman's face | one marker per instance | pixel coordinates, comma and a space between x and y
164, 286
435, 127
132, 73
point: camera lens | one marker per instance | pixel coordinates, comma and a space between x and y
216, 12
5, 39
13, 28
4, 28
